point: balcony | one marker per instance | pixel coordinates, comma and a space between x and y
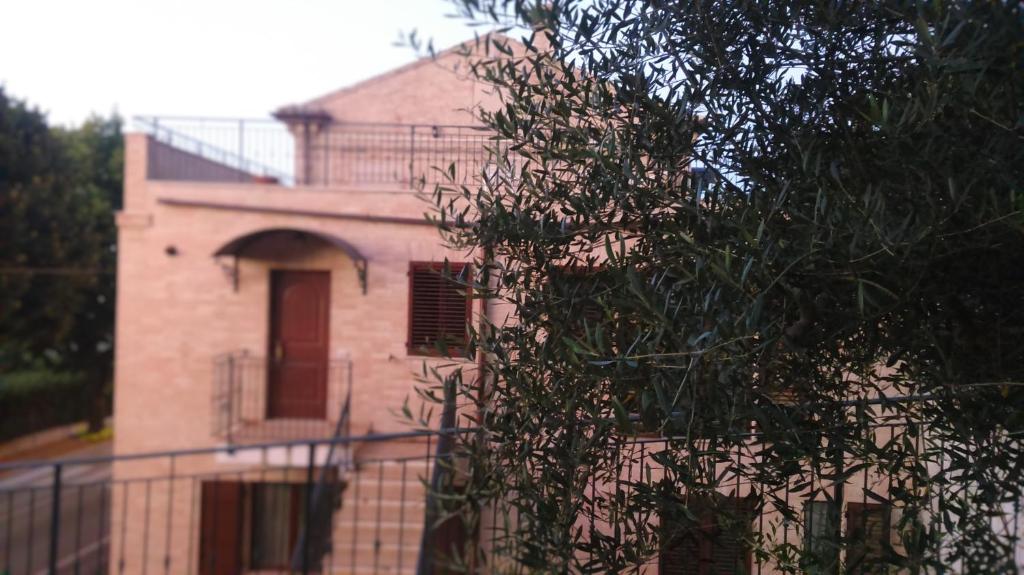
320, 153
252, 400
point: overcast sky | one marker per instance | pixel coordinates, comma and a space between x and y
236, 58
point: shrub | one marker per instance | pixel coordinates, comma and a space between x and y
38, 399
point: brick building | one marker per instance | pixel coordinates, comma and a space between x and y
278, 280
278, 285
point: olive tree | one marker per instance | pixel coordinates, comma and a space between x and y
782, 243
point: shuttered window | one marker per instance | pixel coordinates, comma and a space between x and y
439, 309
706, 548
578, 287
868, 531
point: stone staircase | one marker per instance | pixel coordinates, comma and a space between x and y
380, 523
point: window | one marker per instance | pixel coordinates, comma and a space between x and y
716, 544
821, 542
867, 529
251, 526
578, 286
277, 513
439, 309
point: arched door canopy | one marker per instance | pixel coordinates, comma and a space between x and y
237, 247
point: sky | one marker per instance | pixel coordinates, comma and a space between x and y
226, 58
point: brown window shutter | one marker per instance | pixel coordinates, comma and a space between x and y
706, 549
868, 532
220, 533
439, 308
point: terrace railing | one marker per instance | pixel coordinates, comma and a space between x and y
332, 155
218, 150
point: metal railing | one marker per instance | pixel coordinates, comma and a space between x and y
248, 406
248, 508
218, 150
219, 510
324, 498
334, 154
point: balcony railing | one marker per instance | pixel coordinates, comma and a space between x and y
333, 154
248, 407
246, 508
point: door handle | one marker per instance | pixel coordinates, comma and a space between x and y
278, 352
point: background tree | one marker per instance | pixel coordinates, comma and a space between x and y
719, 213
58, 190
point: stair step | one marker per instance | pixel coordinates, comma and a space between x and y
384, 493
394, 470
346, 569
410, 513
368, 528
386, 558
385, 519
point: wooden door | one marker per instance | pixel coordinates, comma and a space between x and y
297, 358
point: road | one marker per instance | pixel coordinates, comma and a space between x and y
26, 498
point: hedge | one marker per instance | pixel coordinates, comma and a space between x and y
40, 399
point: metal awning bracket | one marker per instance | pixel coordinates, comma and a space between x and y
361, 270
230, 269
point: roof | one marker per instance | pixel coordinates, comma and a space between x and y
315, 107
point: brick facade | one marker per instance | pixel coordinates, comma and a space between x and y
178, 308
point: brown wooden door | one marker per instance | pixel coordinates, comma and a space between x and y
297, 370
220, 530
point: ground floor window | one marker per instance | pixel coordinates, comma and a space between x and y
821, 541
715, 544
277, 515
249, 526
866, 541
868, 532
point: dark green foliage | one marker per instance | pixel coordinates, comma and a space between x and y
40, 399
58, 190
858, 232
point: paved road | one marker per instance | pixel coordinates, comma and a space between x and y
26, 498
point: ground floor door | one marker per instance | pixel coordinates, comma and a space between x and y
297, 358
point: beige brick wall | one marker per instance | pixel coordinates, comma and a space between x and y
429, 91
177, 311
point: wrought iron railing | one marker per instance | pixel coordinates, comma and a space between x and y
247, 406
218, 150
324, 499
235, 509
246, 508
334, 154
